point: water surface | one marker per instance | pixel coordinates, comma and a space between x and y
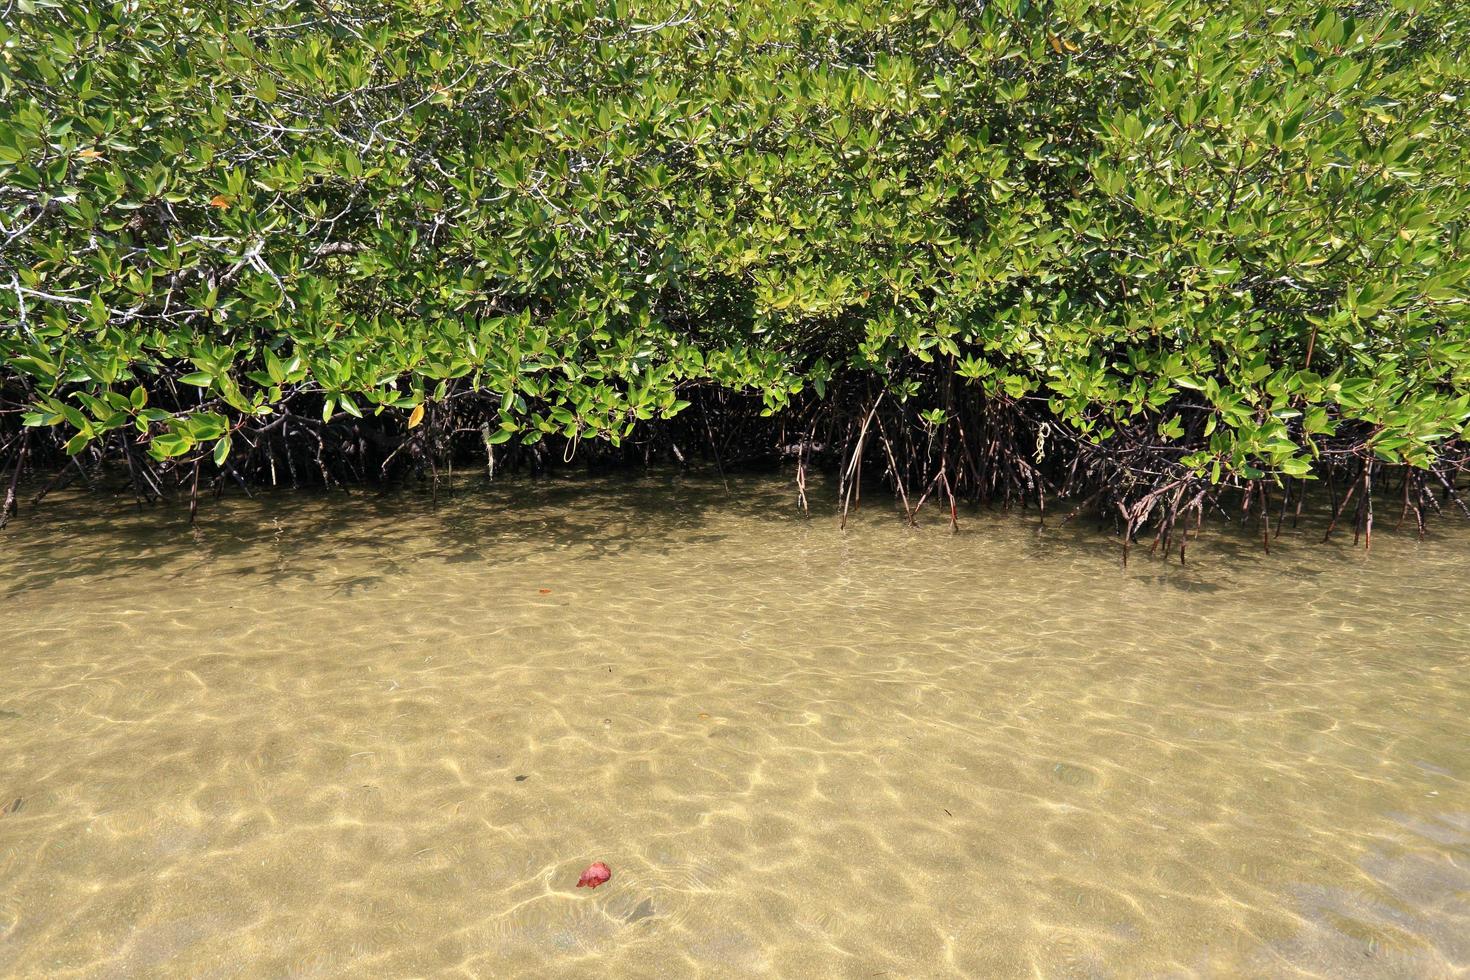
326, 736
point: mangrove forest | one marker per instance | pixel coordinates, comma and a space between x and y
1152, 257
1137, 254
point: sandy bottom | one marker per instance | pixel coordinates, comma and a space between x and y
357, 736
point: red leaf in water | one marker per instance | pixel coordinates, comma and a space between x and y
594, 875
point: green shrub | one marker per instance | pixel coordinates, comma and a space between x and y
1235, 234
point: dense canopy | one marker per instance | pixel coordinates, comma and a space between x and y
1147, 248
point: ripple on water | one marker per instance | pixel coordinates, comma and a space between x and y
329, 737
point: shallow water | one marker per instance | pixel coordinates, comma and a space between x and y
321, 736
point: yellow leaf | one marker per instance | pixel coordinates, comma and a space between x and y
220, 201
1055, 44
416, 416
1070, 46
90, 154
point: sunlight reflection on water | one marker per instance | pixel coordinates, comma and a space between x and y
324, 736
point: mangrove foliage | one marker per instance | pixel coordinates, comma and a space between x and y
1150, 255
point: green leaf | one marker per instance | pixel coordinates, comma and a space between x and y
169, 444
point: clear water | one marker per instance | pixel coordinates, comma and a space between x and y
322, 736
